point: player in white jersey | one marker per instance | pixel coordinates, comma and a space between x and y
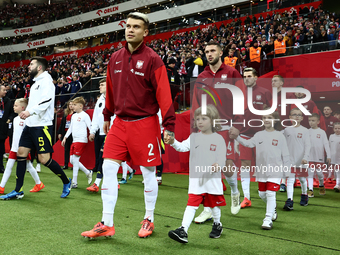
319, 144
18, 126
334, 141
80, 122
96, 132
97, 126
207, 149
39, 128
298, 142
272, 163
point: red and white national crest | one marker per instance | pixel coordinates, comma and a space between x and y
318, 136
212, 147
21, 123
224, 76
79, 119
331, 122
275, 142
258, 97
139, 64
299, 135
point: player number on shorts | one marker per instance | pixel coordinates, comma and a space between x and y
150, 145
41, 141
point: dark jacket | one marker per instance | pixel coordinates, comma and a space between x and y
7, 107
62, 128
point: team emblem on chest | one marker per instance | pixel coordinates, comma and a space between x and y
299, 135
318, 136
258, 97
224, 76
79, 119
212, 147
139, 64
275, 142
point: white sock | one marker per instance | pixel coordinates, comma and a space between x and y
303, 183
245, 181
310, 178
109, 190
130, 170
263, 196
33, 172
337, 178
290, 187
188, 216
232, 181
271, 203
216, 214
83, 168
7, 173
320, 176
124, 166
75, 162
283, 180
329, 174
150, 190
98, 181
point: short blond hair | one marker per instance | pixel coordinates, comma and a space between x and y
140, 16
22, 101
212, 113
79, 100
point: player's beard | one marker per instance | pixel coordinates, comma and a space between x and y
34, 72
214, 61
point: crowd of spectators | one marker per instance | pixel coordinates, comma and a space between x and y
63, 30
25, 15
234, 12
186, 51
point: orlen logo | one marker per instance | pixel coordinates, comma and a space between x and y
24, 30
99, 12
122, 23
336, 70
37, 43
107, 10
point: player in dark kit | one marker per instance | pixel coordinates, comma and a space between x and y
39, 130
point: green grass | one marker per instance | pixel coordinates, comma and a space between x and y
43, 223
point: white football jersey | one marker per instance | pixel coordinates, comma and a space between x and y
319, 143
80, 122
298, 142
18, 127
98, 117
272, 155
205, 150
334, 142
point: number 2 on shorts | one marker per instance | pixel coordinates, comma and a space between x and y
150, 145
